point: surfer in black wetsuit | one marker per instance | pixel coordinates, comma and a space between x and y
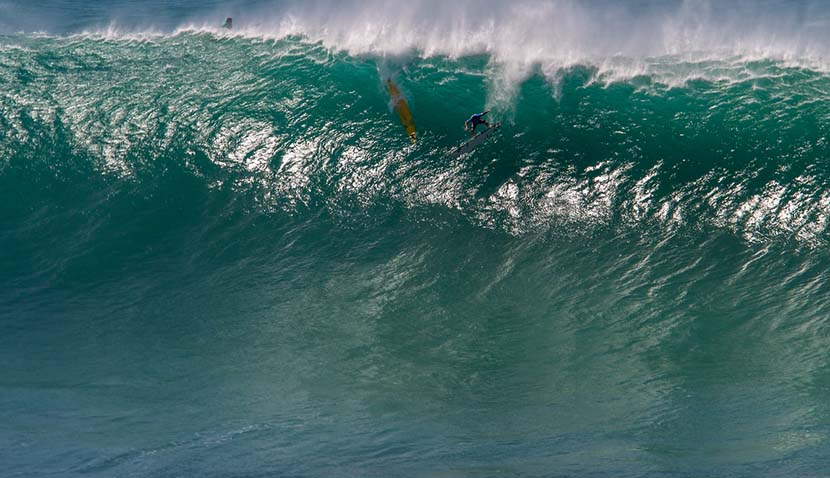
228, 23
474, 121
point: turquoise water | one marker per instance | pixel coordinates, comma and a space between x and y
220, 255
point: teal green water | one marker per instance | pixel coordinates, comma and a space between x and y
221, 256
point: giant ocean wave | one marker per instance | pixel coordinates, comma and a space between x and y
677, 140
220, 253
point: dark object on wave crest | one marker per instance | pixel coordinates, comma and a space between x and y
228, 23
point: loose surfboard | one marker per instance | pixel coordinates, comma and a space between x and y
402, 109
475, 141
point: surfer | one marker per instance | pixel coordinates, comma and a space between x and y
474, 121
228, 23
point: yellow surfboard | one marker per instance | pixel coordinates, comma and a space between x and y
402, 109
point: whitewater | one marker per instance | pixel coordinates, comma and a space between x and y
221, 254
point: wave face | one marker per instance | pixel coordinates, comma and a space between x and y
221, 255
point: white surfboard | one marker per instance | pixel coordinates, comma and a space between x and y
475, 141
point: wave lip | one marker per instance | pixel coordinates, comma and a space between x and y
525, 31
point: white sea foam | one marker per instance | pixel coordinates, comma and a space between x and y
541, 32
671, 41
547, 31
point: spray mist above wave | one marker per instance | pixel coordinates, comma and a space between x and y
550, 31
621, 40
522, 31
671, 42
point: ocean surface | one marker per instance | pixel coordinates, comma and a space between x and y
221, 256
